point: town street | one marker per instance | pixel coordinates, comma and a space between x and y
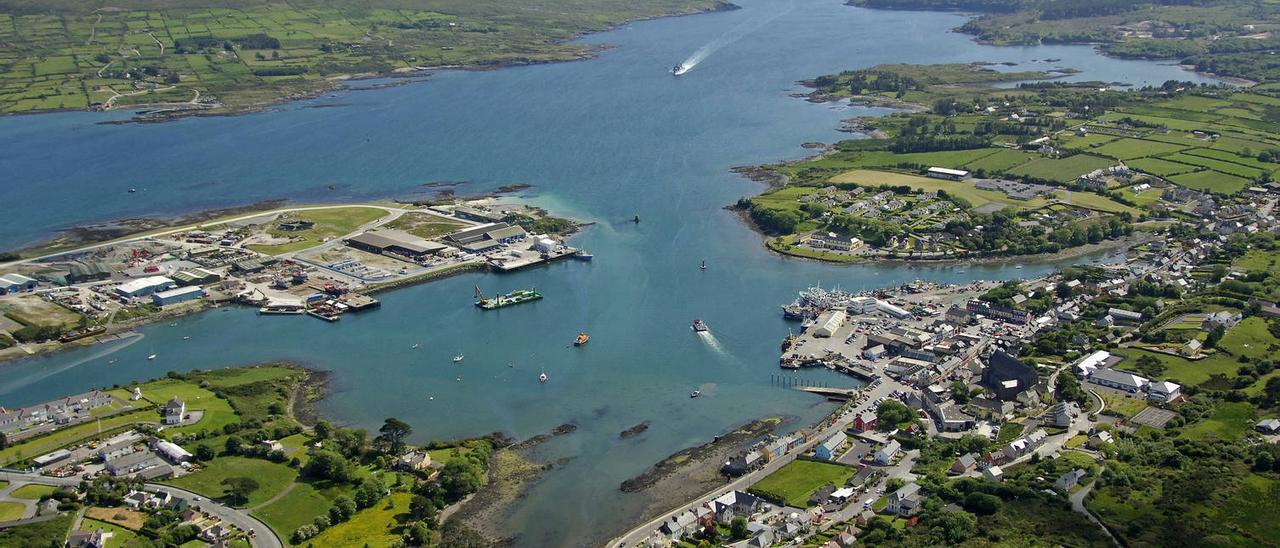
264, 537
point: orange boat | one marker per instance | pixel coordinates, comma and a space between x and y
582, 339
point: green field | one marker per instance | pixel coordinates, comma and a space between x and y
1211, 181
1229, 421
1250, 338
1128, 149
966, 190
300, 506
1158, 167
329, 223
1001, 161
425, 225
10, 511
799, 479
271, 477
255, 52
1062, 170
1220, 166
32, 491
377, 526
217, 412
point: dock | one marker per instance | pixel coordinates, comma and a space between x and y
834, 394
512, 264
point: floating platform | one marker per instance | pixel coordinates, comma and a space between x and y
515, 297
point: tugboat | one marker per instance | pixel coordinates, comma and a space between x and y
582, 339
699, 326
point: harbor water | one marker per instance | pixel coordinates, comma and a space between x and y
602, 140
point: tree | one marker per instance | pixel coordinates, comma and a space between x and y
981, 504
891, 414
239, 488
323, 430
954, 527
392, 436
233, 444
368, 494
738, 527
423, 508
325, 464
342, 510
204, 452
1214, 336
418, 534
460, 478
1068, 388
304, 533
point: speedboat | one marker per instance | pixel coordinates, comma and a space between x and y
679, 69
695, 394
582, 339
414, 347
458, 358
542, 377
699, 326
151, 357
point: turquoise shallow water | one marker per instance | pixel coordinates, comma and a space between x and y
601, 140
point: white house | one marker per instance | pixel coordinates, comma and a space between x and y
1070, 479
885, 455
174, 411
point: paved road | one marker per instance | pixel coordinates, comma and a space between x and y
265, 537
1077, 504
638, 534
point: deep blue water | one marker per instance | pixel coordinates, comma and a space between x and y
602, 140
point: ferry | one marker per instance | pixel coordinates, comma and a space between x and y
583, 256
498, 301
582, 339
699, 326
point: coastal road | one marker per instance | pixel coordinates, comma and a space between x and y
264, 538
640, 533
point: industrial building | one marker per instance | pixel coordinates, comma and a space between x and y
485, 237
950, 174
395, 242
828, 323
145, 286
15, 283
175, 296
196, 276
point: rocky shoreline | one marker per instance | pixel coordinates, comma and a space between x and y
698, 457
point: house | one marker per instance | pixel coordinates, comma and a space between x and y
1192, 347
830, 447
1269, 426
1119, 380
1223, 318
1100, 438
732, 504
993, 473
864, 422
215, 533
1006, 377
884, 456
1070, 479
905, 501
1062, 414
831, 240
174, 411
414, 461
679, 525
89, 539
1163, 391
958, 316
965, 464
137, 500
1122, 315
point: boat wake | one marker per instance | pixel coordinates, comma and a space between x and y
128, 340
711, 341
730, 36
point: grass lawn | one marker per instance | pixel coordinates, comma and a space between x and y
329, 223
235, 376
1077, 441
1009, 432
1122, 405
1127, 149
217, 412
1230, 420
798, 480
376, 526
129, 519
425, 225
119, 535
443, 455
1250, 338
10, 511
1062, 170
306, 501
1158, 167
272, 478
1098, 202
67, 436
1182, 371
32, 491
1211, 181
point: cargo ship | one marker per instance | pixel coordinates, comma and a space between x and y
582, 339
498, 301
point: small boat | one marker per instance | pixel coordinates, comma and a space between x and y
703, 266
151, 357
111, 361
414, 347
636, 220
132, 190
1018, 267
695, 394
458, 358
582, 339
699, 326
459, 378
511, 364
542, 377
583, 256
186, 338
679, 69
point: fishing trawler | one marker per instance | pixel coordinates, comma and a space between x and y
582, 339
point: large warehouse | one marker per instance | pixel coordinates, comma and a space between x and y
486, 237
144, 286
395, 242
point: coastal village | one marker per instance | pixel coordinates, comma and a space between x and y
320, 261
